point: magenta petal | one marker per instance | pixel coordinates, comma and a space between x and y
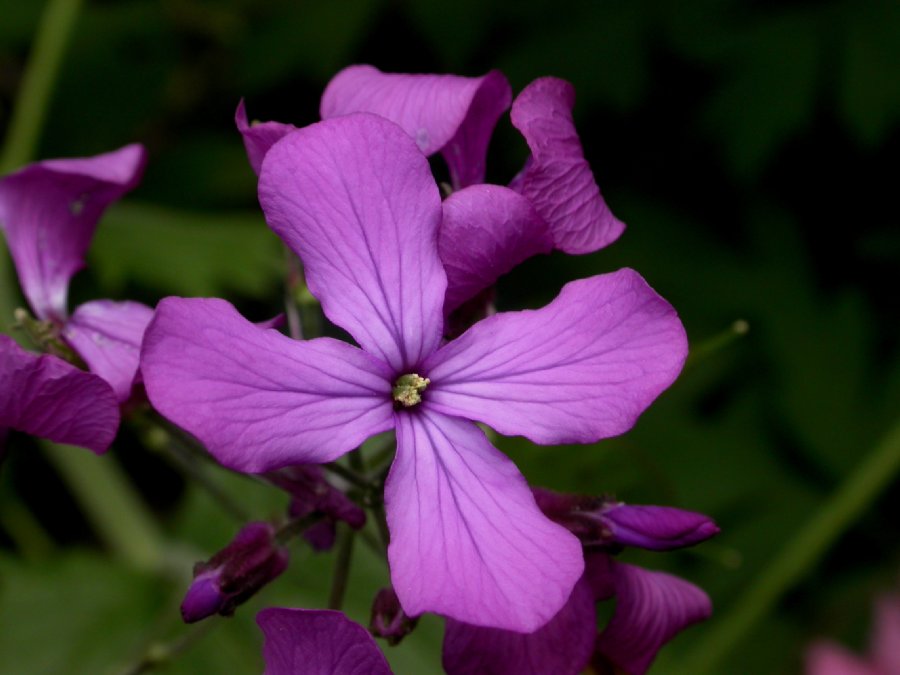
563, 646
467, 539
885, 646
658, 528
447, 113
317, 642
49, 211
259, 136
256, 399
580, 369
826, 658
487, 230
651, 609
355, 199
107, 335
47, 397
557, 179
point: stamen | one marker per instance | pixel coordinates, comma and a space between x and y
408, 389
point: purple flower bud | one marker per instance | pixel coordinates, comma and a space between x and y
235, 573
312, 493
389, 621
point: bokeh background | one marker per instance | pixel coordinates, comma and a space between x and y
752, 149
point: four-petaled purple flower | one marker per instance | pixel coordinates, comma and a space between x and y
48, 212
354, 198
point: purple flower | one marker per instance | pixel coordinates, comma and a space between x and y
234, 574
48, 212
651, 607
355, 199
388, 620
317, 642
828, 658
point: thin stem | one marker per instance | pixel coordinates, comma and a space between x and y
381, 523
716, 343
341, 566
186, 461
160, 653
348, 475
26, 531
294, 527
800, 554
109, 501
50, 43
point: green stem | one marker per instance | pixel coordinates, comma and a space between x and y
109, 501
712, 345
160, 653
341, 566
800, 554
53, 33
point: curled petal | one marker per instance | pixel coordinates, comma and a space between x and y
256, 399
447, 113
580, 369
467, 540
47, 397
49, 211
107, 335
487, 230
317, 642
557, 179
355, 199
826, 658
651, 609
563, 646
658, 528
259, 136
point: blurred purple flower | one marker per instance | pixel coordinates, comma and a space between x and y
388, 619
828, 658
317, 642
48, 212
234, 574
355, 199
651, 607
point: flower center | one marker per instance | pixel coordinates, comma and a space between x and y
408, 389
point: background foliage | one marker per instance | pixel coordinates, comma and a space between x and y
751, 149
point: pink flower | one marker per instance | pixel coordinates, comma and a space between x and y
829, 658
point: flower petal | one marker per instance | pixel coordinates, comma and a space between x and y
355, 199
317, 642
885, 646
467, 540
563, 646
651, 608
107, 335
259, 136
658, 528
580, 369
447, 113
49, 211
44, 396
257, 399
826, 658
557, 179
487, 230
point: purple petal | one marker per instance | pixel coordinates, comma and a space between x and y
259, 136
557, 179
580, 369
447, 113
44, 396
885, 647
562, 647
107, 335
317, 642
651, 608
487, 230
49, 211
658, 528
355, 199
259, 400
826, 658
467, 540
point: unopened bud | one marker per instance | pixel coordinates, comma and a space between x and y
389, 621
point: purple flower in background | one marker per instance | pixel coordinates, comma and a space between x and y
48, 212
828, 658
354, 198
317, 642
235, 574
651, 607
388, 620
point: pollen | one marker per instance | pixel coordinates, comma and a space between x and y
408, 389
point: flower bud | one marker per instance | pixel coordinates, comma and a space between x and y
235, 573
389, 621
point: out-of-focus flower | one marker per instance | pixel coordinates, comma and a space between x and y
354, 198
388, 620
235, 574
317, 642
829, 658
651, 607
